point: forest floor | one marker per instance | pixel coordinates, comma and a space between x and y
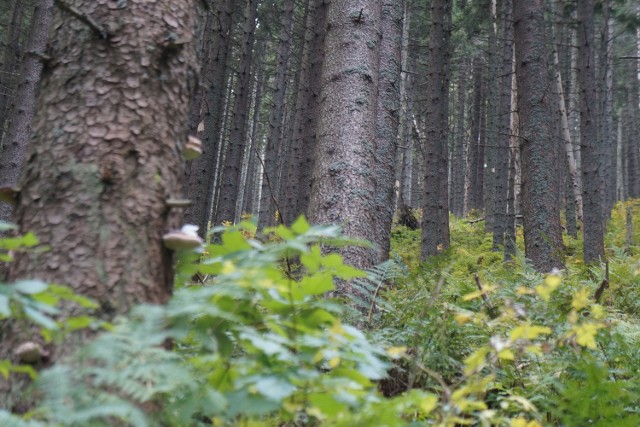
563, 346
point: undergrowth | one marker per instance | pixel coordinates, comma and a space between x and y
465, 339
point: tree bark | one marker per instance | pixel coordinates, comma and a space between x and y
458, 159
276, 118
343, 189
24, 104
230, 181
10, 61
542, 230
435, 218
593, 230
203, 173
387, 121
503, 124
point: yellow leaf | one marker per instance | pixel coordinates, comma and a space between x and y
476, 360
522, 422
396, 352
228, 267
506, 354
477, 294
535, 349
523, 290
428, 404
529, 332
598, 311
551, 283
580, 299
462, 318
586, 334
334, 362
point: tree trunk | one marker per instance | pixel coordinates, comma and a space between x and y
593, 230
476, 162
491, 125
435, 218
458, 160
276, 118
24, 104
387, 122
566, 134
203, 174
542, 230
503, 125
230, 181
343, 189
10, 61
306, 129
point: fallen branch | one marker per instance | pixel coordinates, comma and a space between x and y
490, 308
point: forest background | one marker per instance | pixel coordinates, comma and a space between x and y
120, 121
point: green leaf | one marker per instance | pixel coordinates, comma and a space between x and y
30, 287
79, 322
300, 225
40, 319
275, 388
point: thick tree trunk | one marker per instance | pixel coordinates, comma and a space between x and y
435, 218
24, 104
343, 189
96, 186
387, 122
542, 231
593, 230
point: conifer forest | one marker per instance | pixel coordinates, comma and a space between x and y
292, 213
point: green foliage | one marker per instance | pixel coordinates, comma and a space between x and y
465, 339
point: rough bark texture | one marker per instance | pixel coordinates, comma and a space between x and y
343, 189
10, 61
593, 230
230, 182
435, 219
491, 124
109, 132
542, 231
387, 122
24, 104
503, 124
307, 121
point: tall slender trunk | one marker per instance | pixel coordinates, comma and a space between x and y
503, 124
387, 121
475, 161
458, 159
275, 137
593, 230
231, 174
491, 125
306, 132
435, 218
203, 170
